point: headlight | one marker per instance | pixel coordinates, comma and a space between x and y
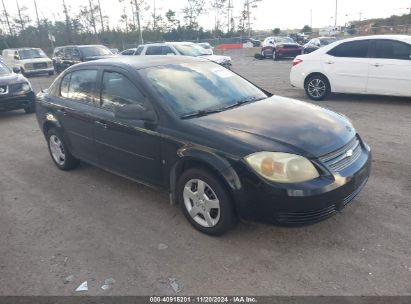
280, 45
49, 64
28, 66
26, 87
282, 167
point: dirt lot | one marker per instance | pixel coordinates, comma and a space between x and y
94, 225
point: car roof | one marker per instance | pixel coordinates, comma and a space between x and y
22, 48
142, 62
373, 37
169, 43
79, 46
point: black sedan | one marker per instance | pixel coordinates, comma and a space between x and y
222, 147
316, 43
15, 91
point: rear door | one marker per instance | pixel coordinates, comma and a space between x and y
347, 65
390, 68
76, 111
128, 147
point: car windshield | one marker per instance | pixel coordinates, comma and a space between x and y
4, 70
190, 50
327, 41
201, 87
99, 50
31, 53
284, 40
205, 45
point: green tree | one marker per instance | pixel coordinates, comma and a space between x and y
276, 31
306, 29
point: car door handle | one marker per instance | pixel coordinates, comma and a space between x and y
101, 124
329, 62
377, 65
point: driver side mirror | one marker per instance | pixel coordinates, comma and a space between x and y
134, 112
16, 70
17, 57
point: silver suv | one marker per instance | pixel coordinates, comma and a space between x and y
178, 48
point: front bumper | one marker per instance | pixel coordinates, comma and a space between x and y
16, 101
39, 71
304, 203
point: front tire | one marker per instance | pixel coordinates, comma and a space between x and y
317, 87
30, 109
59, 151
205, 202
274, 56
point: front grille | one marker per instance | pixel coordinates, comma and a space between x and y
343, 157
299, 218
40, 65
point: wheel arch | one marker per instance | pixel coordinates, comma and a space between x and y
209, 161
318, 73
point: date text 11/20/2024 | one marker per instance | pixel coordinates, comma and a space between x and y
199, 299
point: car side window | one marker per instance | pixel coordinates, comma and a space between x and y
127, 52
352, 49
154, 50
80, 85
139, 50
167, 50
65, 85
389, 49
117, 90
72, 53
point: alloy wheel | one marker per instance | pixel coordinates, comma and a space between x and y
316, 88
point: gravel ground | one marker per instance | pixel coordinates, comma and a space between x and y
94, 225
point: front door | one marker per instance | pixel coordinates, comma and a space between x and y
347, 65
128, 147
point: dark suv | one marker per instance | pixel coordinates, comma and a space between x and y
65, 56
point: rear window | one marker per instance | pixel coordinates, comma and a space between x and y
352, 49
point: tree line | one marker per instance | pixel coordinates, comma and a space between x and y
139, 22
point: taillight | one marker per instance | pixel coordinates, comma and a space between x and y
297, 61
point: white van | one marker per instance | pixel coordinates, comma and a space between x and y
28, 60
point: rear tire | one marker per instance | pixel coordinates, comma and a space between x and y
274, 56
30, 109
205, 202
317, 87
59, 151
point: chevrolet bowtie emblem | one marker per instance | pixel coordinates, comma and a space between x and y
349, 153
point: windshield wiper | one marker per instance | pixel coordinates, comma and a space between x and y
243, 101
200, 113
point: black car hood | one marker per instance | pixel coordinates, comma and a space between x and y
10, 78
279, 121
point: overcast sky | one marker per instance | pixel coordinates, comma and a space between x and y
269, 14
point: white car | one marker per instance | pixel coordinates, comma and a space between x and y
183, 49
378, 65
28, 60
